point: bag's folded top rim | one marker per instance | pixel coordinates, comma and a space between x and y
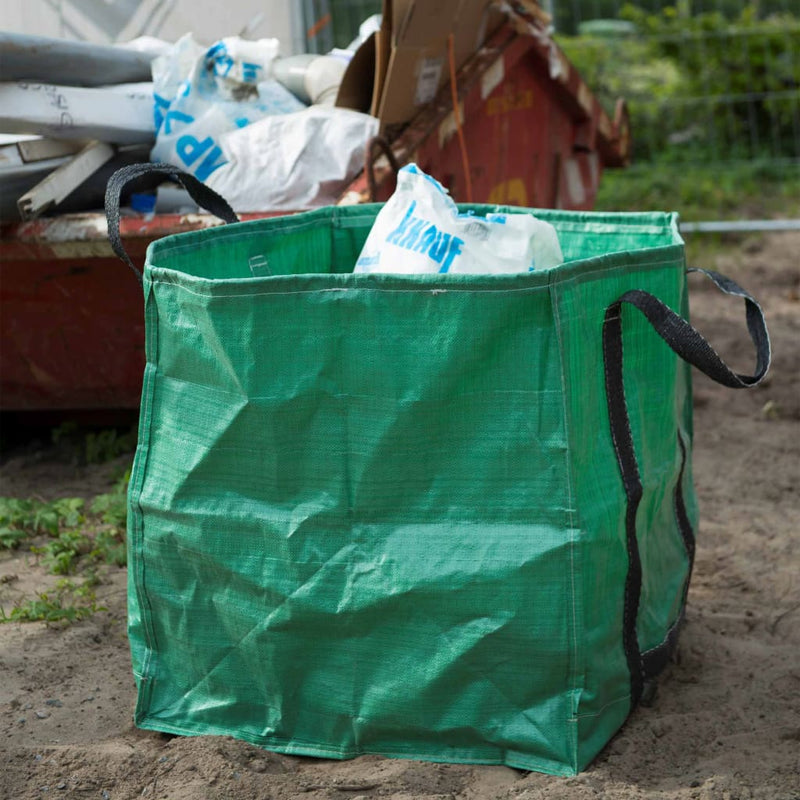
661, 226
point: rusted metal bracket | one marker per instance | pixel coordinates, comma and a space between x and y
370, 165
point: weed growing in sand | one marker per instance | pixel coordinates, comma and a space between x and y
69, 602
60, 555
112, 508
110, 548
63, 521
10, 535
22, 518
70, 540
10, 538
93, 447
107, 445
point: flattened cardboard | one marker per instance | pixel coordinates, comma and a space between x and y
406, 63
418, 65
383, 49
358, 84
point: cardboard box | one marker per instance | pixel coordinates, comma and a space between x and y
410, 63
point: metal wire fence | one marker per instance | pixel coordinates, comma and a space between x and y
707, 81
713, 89
334, 23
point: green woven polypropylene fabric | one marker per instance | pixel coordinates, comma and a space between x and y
382, 514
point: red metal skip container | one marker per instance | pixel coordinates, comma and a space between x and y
71, 327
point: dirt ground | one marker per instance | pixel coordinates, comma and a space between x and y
724, 725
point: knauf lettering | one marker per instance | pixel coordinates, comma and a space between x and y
190, 149
418, 235
218, 59
435, 236
369, 261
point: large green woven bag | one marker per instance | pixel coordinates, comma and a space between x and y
422, 516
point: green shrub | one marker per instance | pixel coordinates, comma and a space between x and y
709, 86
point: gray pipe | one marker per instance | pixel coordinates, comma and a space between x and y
66, 63
741, 226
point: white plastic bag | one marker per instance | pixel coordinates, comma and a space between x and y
420, 230
202, 94
222, 117
293, 161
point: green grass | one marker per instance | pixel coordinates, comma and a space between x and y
746, 190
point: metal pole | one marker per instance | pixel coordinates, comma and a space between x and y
741, 226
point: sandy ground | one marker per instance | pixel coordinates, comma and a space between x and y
724, 725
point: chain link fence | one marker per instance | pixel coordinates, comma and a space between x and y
712, 86
705, 81
334, 23
713, 90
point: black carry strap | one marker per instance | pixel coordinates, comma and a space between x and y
693, 348
654, 660
202, 195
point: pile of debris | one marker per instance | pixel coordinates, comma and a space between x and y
70, 113
267, 132
273, 133
518, 127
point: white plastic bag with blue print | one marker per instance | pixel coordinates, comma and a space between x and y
421, 230
293, 161
203, 93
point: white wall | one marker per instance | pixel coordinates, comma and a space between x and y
120, 20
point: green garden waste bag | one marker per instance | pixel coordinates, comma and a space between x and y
447, 518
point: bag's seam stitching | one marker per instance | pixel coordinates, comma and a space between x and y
339, 395
623, 699
578, 667
434, 289
139, 575
675, 497
661, 644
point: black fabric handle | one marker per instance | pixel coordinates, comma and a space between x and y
693, 348
202, 195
